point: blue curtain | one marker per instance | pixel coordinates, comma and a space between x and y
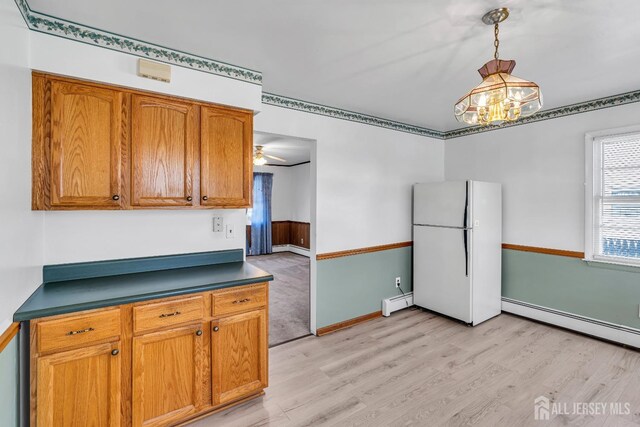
261, 214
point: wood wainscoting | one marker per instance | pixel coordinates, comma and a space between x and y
294, 233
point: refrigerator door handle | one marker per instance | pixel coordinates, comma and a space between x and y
466, 252
466, 205
464, 229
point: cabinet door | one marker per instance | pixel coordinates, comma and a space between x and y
86, 146
226, 159
164, 146
80, 387
167, 376
239, 350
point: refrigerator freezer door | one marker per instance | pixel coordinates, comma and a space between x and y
440, 203
442, 276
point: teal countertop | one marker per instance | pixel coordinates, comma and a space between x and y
67, 296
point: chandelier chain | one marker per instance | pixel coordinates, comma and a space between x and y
496, 42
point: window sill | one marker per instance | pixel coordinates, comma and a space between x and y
613, 265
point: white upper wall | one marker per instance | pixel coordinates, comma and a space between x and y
70, 58
291, 194
21, 230
364, 176
541, 168
301, 193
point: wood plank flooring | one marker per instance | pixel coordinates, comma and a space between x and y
417, 368
288, 294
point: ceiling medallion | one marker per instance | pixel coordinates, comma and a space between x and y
500, 97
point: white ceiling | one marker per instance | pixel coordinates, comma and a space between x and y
406, 60
293, 150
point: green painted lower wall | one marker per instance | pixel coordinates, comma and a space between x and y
9, 384
610, 294
355, 285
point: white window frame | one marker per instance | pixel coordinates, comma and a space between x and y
593, 162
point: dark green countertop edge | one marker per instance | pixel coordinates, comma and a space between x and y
34, 314
116, 267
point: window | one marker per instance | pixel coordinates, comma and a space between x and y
613, 219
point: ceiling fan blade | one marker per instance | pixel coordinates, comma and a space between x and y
275, 158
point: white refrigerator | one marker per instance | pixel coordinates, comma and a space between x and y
457, 239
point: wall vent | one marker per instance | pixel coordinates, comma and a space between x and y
154, 70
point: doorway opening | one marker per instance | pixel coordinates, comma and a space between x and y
279, 230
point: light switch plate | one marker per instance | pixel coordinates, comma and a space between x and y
230, 231
217, 224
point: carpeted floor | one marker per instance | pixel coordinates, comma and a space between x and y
288, 294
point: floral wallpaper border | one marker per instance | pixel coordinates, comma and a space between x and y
69, 30
323, 110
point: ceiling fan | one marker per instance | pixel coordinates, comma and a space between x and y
259, 158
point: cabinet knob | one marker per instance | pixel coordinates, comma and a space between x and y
116, 197
115, 352
198, 332
189, 198
216, 329
205, 198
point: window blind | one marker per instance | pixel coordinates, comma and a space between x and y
618, 198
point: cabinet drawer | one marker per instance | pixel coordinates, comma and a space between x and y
237, 300
167, 313
78, 330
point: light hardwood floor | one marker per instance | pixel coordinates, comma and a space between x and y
288, 294
416, 368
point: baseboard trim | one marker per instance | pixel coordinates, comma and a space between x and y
292, 248
8, 335
347, 323
585, 325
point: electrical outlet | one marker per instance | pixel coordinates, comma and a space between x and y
302, 241
230, 232
217, 224
397, 282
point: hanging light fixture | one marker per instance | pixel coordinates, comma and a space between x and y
258, 157
500, 97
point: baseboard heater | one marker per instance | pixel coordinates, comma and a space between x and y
586, 325
389, 305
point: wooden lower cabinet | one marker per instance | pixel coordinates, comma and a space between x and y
154, 363
80, 387
167, 376
239, 349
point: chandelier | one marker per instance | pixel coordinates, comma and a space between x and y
500, 97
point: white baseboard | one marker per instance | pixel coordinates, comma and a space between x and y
291, 248
586, 325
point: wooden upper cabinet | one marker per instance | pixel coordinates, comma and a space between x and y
86, 146
80, 387
164, 152
226, 157
97, 146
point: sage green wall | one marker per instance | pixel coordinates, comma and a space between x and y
355, 285
9, 384
611, 294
